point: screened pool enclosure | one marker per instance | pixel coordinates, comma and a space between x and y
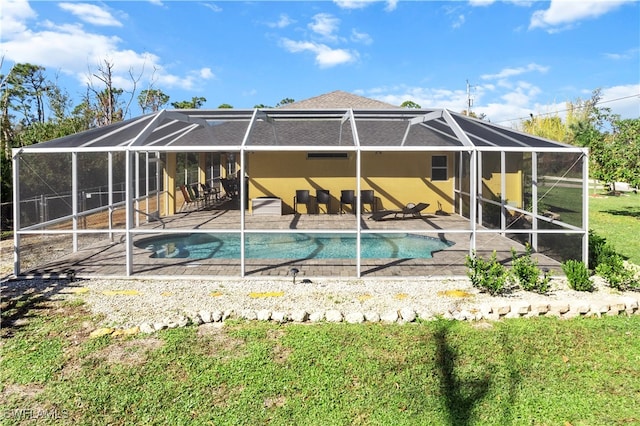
88, 199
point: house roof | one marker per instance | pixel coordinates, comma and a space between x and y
334, 121
339, 99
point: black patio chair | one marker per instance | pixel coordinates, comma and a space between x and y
347, 196
210, 192
301, 197
368, 197
323, 197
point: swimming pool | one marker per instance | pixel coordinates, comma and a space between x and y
293, 246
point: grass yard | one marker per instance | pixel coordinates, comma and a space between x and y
514, 372
617, 218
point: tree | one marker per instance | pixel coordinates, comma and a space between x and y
285, 101
225, 106
616, 157
546, 127
27, 88
106, 101
410, 105
195, 103
152, 100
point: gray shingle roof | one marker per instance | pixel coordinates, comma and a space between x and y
339, 99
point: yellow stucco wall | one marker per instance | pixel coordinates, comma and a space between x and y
491, 185
396, 178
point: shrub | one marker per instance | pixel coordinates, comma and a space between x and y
527, 274
597, 247
487, 275
577, 275
615, 271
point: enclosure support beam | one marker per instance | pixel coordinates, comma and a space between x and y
534, 200
136, 193
503, 191
129, 213
241, 192
110, 192
473, 204
585, 207
16, 213
479, 188
356, 141
74, 198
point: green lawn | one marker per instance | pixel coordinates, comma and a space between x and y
617, 218
514, 372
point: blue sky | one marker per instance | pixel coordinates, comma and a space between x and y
519, 57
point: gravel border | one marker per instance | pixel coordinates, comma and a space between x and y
155, 304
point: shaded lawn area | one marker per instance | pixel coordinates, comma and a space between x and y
617, 218
535, 371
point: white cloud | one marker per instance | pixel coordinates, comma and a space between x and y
73, 51
562, 13
481, 3
324, 24
358, 37
325, 56
510, 72
458, 22
206, 73
628, 54
361, 4
91, 13
283, 22
13, 17
623, 100
213, 7
426, 97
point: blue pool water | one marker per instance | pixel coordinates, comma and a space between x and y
293, 246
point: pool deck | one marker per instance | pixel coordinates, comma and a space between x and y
103, 258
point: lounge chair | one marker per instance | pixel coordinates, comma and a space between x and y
413, 210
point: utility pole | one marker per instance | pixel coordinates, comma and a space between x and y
469, 99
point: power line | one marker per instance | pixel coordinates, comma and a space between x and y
567, 109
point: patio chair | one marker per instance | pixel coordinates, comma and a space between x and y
301, 197
368, 197
196, 193
347, 196
188, 199
412, 210
323, 197
210, 192
230, 187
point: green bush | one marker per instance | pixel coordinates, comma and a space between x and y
613, 269
597, 247
526, 273
577, 275
606, 262
487, 275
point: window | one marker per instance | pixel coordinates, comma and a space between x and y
327, 155
439, 167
